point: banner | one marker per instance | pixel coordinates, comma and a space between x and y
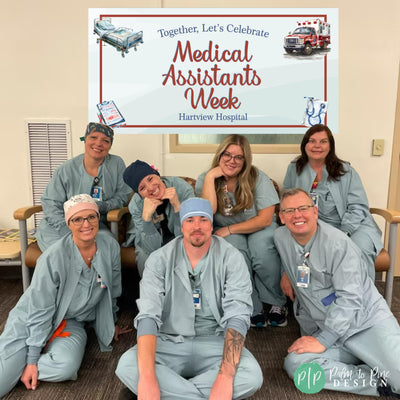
213, 70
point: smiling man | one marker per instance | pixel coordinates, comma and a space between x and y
194, 312
341, 314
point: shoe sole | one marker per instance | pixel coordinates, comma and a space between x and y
282, 324
259, 325
275, 324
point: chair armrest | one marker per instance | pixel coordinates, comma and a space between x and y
22, 214
117, 214
391, 216
114, 217
25, 212
392, 219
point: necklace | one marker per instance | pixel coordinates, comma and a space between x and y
88, 259
91, 257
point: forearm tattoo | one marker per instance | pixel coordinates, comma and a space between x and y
233, 346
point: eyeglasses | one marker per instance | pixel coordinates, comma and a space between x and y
78, 221
322, 141
226, 156
301, 209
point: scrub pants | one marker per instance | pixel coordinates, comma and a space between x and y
264, 265
356, 365
361, 238
141, 257
187, 370
59, 362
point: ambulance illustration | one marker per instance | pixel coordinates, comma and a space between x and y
309, 35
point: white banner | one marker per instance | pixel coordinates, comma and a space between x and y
213, 70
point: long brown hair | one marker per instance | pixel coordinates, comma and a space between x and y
334, 165
247, 177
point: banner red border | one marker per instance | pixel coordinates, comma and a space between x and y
324, 16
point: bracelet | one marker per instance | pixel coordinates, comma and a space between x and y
229, 230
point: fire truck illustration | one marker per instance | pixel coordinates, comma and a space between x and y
308, 35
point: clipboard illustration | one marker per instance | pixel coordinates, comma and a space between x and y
110, 114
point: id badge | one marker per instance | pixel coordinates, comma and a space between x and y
314, 197
102, 283
197, 299
303, 276
96, 193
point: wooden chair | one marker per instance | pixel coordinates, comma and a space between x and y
119, 221
385, 262
29, 253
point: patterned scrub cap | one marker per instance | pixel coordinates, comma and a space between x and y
96, 127
78, 203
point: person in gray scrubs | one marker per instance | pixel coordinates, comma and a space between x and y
347, 327
243, 200
76, 281
96, 172
154, 209
337, 190
194, 312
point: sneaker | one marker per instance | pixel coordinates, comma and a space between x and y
277, 316
258, 321
384, 389
126, 394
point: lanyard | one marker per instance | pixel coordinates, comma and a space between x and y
306, 256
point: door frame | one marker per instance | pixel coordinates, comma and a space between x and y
394, 187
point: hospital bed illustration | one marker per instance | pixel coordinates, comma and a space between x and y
122, 39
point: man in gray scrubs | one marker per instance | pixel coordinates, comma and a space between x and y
346, 325
194, 312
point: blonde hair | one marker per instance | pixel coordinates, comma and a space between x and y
247, 177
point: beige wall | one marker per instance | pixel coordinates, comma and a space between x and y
44, 75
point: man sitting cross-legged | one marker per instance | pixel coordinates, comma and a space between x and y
194, 312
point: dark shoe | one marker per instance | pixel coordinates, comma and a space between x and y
126, 394
258, 321
384, 389
277, 316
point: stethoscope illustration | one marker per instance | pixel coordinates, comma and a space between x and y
311, 112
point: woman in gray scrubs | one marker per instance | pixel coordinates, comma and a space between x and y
243, 200
76, 281
96, 172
